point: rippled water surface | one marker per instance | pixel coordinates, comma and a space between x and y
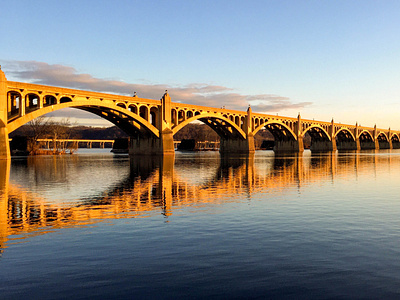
94, 225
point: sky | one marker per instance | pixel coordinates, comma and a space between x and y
322, 59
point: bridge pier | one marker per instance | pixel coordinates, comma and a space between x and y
369, 145
237, 146
164, 145
348, 145
321, 146
289, 145
394, 145
384, 145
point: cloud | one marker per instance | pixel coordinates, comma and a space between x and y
195, 93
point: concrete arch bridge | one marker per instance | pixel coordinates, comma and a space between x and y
151, 124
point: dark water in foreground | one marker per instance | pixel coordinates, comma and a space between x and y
201, 226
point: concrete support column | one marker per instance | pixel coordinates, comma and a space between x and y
40, 102
4, 143
22, 105
8, 101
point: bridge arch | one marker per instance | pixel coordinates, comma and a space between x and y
345, 139
382, 135
316, 132
123, 118
224, 127
344, 133
365, 134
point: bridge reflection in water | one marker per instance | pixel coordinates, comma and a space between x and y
161, 185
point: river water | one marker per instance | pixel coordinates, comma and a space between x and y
94, 225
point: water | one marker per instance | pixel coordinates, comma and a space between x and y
95, 225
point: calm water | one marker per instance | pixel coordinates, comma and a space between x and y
93, 225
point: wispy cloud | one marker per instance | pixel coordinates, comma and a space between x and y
195, 93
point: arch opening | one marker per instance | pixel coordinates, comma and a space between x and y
65, 100
49, 100
197, 136
31, 102
345, 140
123, 105
276, 136
133, 108
144, 112
154, 116
317, 139
13, 104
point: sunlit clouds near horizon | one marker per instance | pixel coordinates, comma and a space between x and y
196, 93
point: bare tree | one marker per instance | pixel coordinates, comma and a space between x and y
47, 128
62, 130
37, 129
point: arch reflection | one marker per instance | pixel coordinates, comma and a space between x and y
151, 186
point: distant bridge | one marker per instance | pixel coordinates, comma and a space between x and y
76, 142
152, 124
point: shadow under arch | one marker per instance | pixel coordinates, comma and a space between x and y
285, 140
320, 139
383, 140
395, 141
345, 140
366, 139
278, 129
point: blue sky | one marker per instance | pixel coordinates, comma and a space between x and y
324, 59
